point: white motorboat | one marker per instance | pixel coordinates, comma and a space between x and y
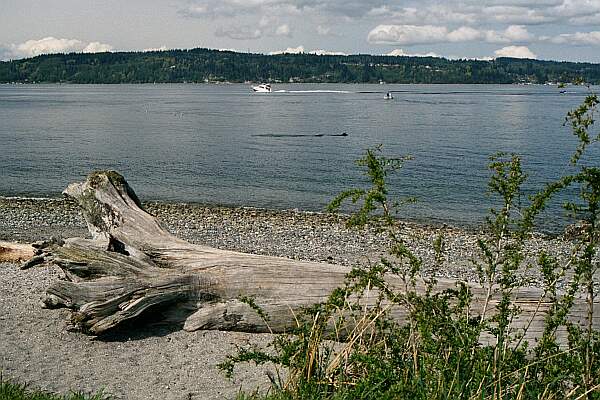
389, 96
262, 88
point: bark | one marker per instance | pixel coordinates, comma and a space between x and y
13, 252
132, 265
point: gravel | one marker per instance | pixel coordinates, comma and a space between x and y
159, 363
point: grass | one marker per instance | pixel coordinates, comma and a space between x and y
10, 390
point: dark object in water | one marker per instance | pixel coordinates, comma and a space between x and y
338, 134
299, 135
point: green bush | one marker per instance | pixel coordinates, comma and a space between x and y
438, 352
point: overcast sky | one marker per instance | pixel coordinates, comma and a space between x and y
543, 29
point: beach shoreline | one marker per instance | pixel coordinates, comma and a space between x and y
167, 363
295, 234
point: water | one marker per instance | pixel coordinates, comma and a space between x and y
222, 144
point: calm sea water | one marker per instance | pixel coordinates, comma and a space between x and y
222, 144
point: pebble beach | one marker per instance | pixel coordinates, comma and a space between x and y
164, 364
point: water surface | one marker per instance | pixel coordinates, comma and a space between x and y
222, 144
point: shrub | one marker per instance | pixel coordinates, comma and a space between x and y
439, 351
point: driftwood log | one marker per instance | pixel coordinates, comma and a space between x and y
11, 252
133, 265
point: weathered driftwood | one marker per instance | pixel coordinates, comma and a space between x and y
133, 265
11, 252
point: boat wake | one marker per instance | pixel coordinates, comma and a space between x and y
312, 91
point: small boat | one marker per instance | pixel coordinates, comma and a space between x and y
388, 96
262, 88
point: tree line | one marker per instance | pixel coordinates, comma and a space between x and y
206, 65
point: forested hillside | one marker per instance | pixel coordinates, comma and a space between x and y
205, 65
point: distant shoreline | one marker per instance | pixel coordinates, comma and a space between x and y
209, 65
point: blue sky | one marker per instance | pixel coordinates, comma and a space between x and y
544, 29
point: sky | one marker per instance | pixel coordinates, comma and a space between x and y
566, 30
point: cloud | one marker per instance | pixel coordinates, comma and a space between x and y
482, 12
48, 45
424, 34
578, 38
475, 13
230, 8
516, 15
267, 26
591, 19
97, 47
321, 52
283, 30
161, 48
239, 32
515, 52
289, 50
6, 53
51, 45
435, 14
402, 53
462, 34
323, 30
517, 33
407, 34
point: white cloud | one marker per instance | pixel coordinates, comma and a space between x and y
51, 45
515, 52
161, 48
97, 47
578, 38
421, 34
283, 30
576, 8
321, 52
48, 45
591, 19
517, 33
480, 12
436, 14
267, 26
323, 30
266, 21
407, 34
512, 34
463, 34
229, 8
289, 50
474, 13
239, 32
401, 52
516, 15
